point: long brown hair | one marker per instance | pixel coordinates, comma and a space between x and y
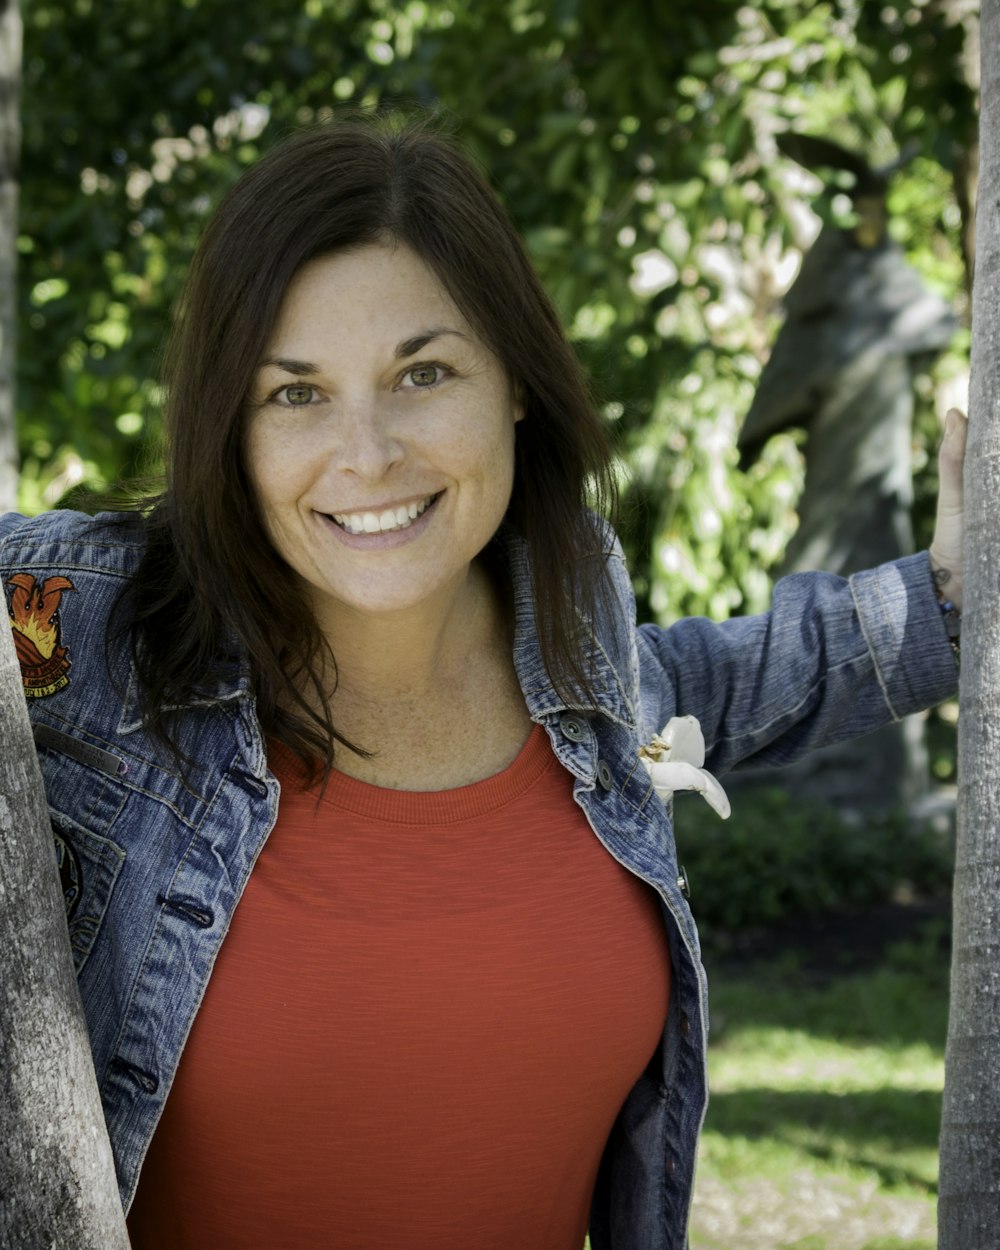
209, 573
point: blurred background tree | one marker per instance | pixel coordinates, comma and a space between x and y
636, 146
10, 133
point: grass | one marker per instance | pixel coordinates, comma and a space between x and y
826, 1093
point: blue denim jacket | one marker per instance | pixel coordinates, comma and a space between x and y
153, 863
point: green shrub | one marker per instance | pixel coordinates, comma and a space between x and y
777, 858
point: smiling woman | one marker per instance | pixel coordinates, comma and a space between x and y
365, 273
363, 765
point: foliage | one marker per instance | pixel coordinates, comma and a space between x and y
784, 858
634, 143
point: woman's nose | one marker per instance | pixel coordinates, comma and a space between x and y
366, 445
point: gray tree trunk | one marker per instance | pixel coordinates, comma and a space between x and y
57, 1179
965, 13
10, 143
969, 1202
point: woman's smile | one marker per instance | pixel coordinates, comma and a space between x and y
383, 520
373, 531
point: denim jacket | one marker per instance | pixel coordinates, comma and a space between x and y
153, 862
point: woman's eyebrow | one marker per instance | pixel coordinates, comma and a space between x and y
299, 367
410, 347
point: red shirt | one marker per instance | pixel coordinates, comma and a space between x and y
421, 1026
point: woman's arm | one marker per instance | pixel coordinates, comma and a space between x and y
835, 658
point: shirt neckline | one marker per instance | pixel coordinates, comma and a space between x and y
419, 807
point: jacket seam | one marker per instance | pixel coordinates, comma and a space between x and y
872, 650
789, 714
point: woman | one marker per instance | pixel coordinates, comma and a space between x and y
370, 670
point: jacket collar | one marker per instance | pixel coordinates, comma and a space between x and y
230, 683
607, 642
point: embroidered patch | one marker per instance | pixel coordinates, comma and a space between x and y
34, 618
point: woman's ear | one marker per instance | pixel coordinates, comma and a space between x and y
519, 402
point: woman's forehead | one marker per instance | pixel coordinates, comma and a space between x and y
379, 293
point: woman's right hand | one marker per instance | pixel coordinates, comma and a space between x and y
946, 550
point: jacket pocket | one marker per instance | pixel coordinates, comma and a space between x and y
88, 866
85, 800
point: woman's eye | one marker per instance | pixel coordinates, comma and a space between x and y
425, 375
296, 395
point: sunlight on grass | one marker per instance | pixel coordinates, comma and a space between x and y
823, 1123
792, 1059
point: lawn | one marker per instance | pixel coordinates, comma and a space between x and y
826, 1089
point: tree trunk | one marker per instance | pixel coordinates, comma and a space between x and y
57, 1178
10, 135
969, 1205
965, 169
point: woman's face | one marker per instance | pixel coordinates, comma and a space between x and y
380, 434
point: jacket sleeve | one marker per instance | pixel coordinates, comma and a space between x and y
833, 659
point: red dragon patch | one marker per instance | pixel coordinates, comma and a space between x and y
34, 618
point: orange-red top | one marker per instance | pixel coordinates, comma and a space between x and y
423, 1021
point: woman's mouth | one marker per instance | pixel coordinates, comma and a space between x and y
385, 522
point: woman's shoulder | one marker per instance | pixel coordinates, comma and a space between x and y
110, 542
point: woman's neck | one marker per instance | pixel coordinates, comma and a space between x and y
415, 690
415, 654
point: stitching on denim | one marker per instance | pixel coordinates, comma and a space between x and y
34, 559
870, 642
791, 714
641, 805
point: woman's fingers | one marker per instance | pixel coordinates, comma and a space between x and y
947, 544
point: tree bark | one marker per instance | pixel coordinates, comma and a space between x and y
10, 144
57, 1177
969, 1202
965, 169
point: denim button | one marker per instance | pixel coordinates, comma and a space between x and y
604, 778
572, 727
685, 1025
683, 884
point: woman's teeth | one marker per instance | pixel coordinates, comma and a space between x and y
382, 522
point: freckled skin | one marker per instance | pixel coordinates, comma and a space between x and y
369, 426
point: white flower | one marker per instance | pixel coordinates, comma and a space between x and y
675, 759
